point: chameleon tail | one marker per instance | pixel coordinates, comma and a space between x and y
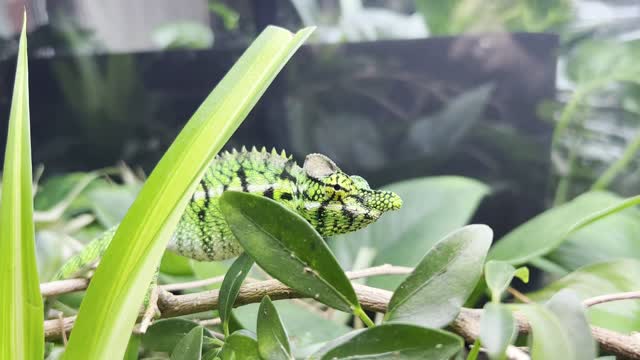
88, 257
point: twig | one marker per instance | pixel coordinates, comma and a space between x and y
467, 324
611, 297
518, 295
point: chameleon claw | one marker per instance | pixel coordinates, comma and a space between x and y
151, 310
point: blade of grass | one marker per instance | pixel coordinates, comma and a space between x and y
21, 311
114, 298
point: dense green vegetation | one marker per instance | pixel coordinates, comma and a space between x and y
421, 282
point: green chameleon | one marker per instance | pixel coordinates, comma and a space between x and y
332, 201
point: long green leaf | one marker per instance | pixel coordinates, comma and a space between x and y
273, 342
114, 298
288, 248
548, 230
231, 287
21, 312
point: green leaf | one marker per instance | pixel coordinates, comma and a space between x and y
306, 327
498, 276
288, 248
432, 208
231, 287
190, 347
567, 307
599, 279
497, 329
132, 348
242, 344
522, 273
402, 340
114, 298
585, 246
21, 311
548, 230
164, 335
438, 287
273, 342
549, 338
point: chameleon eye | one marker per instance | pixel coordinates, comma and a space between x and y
337, 187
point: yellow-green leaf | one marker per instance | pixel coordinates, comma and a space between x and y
114, 298
21, 311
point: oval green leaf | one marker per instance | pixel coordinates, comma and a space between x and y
164, 335
549, 339
498, 276
287, 247
242, 344
567, 307
547, 231
190, 346
21, 309
404, 341
438, 287
231, 287
432, 208
273, 342
497, 329
599, 279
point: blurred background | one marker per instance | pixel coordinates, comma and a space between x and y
537, 98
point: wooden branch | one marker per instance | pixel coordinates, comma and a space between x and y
611, 297
467, 324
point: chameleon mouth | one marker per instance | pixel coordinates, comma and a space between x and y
384, 201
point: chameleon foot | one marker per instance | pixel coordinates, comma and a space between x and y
151, 310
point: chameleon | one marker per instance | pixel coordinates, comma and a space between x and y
329, 199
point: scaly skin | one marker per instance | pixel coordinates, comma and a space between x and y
332, 201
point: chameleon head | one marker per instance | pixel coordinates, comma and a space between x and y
336, 203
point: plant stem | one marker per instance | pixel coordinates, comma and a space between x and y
627, 156
363, 316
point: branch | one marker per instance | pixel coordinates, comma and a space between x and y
611, 297
467, 324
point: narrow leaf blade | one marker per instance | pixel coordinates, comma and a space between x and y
114, 298
438, 287
273, 342
288, 248
231, 287
21, 310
